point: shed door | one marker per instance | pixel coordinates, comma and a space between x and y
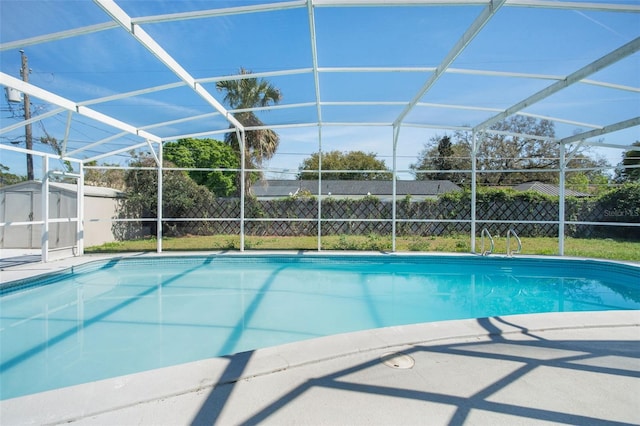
18, 207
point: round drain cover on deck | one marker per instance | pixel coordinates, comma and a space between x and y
397, 360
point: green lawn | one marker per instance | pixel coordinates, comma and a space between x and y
595, 248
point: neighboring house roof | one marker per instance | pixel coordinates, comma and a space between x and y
89, 191
548, 189
352, 188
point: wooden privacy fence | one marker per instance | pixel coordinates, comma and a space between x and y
296, 217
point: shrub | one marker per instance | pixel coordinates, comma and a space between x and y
621, 204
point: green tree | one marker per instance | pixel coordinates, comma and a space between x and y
520, 143
55, 146
621, 204
445, 152
374, 169
584, 182
107, 177
441, 153
498, 151
206, 154
578, 182
593, 181
7, 178
246, 93
181, 196
629, 158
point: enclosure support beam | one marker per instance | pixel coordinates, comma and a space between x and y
116, 152
125, 21
229, 11
80, 211
604, 130
320, 188
18, 44
33, 119
316, 83
44, 236
394, 212
30, 151
620, 53
240, 135
561, 201
37, 92
478, 24
159, 209
67, 131
474, 183
97, 143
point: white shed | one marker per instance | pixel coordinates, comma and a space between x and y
22, 203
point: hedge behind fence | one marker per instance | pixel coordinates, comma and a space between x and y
444, 216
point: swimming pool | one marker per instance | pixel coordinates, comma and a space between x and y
110, 318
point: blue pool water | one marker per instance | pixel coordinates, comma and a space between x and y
123, 316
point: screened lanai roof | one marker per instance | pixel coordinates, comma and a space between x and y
107, 77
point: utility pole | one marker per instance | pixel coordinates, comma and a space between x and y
24, 71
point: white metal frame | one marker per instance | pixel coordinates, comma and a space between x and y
133, 26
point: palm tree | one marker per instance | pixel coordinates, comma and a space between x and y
246, 93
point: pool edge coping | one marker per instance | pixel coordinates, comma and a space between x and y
66, 265
124, 392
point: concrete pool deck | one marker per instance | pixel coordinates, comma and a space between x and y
572, 368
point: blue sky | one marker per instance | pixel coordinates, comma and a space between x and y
517, 40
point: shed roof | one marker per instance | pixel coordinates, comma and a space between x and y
89, 191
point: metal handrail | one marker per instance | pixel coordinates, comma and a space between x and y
485, 232
519, 249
